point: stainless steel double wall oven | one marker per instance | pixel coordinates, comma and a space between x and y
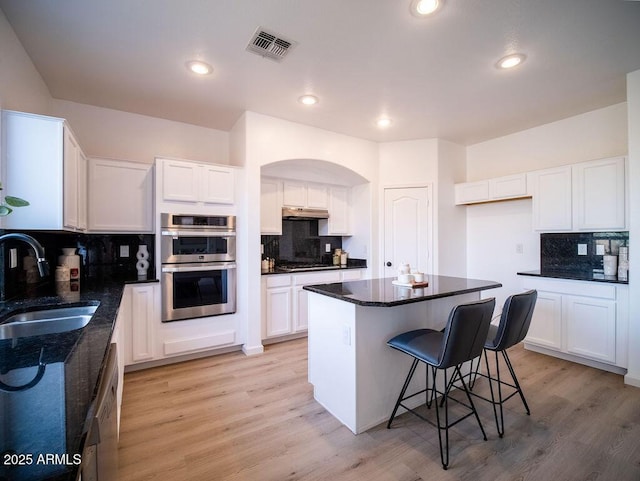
198, 255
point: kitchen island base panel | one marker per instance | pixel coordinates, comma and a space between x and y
355, 375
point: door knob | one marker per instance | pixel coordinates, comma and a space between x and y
388, 264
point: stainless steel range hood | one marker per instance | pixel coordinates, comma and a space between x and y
298, 213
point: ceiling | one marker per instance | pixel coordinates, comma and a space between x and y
435, 77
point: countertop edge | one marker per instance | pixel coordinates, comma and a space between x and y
308, 271
317, 289
569, 277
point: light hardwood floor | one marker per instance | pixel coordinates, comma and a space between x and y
238, 418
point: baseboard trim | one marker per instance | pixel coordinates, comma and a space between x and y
576, 359
632, 381
253, 350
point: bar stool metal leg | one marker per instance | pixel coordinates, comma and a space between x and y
412, 369
515, 380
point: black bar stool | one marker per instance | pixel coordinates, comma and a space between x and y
462, 340
513, 327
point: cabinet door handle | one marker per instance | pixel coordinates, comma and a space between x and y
388, 264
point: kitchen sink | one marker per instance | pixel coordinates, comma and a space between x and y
46, 321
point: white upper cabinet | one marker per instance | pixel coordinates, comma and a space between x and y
305, 194
120, 196
270, 206
217, 184
317, 196
294, 194
587, 196
599, 194
508, 187
339, 212
501, 188
43, 164
551, 191
472, 192
192, 182
276, 193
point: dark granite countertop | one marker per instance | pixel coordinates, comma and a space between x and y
49, 417
277, 270
382, 293
574, 275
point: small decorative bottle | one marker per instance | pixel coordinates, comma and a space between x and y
143, 261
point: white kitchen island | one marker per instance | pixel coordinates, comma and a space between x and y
355, 375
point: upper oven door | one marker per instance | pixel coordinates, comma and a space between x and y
190, 246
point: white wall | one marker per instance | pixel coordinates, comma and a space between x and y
410, 163
262, 140
121, 135
594, 135
451, 238
440, 164
633, 99
493, 232
21, 86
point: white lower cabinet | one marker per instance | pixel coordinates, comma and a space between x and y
278, 304
117, 338
591, 327
580, 321
546, 324
138, 309
284, 301
148, 340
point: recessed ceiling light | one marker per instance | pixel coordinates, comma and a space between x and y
511, 61
308, 100
383, 122
422, 8
199, 67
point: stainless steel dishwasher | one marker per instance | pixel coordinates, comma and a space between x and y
100, 457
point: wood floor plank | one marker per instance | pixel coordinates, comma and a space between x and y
237, 418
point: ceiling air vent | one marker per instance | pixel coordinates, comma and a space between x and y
269, 44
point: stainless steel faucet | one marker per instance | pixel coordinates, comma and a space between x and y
43, 265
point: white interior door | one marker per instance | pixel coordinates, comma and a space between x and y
407, 229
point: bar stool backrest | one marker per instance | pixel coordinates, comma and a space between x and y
515, 320
466, 332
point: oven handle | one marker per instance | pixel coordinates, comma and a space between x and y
195, 233
217, 266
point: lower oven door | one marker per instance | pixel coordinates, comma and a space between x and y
198, 290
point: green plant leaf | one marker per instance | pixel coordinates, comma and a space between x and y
4, 210
16, 201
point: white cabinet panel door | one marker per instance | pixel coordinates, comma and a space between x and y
278, 311
120, 196
71, 165
599, 194
471, 192
301, 322
317, 196
294, 194
510, 186
546, 323
218, 185
180, 181
142, 320
591, 327
338, 222
552, 209
270, 207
